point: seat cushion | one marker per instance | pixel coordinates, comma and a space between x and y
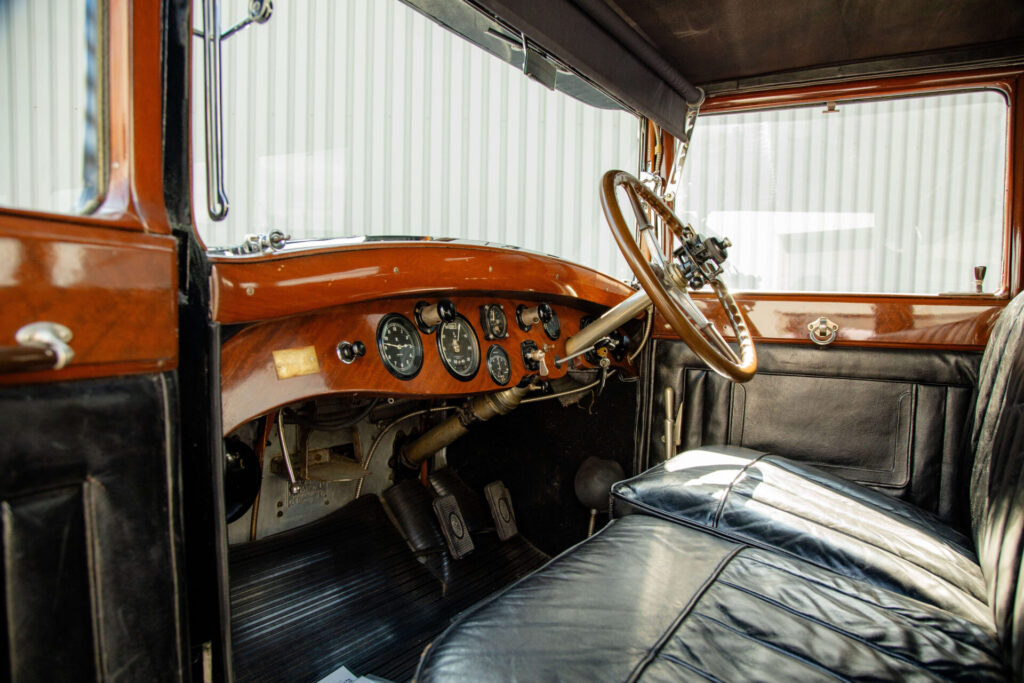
649, 599
771, 502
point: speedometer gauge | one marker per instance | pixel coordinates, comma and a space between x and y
399, 346
498, 366
459, 349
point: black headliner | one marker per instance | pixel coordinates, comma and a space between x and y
648, 54
711, 41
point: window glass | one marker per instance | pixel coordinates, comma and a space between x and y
888, 196
48, 137
366, 118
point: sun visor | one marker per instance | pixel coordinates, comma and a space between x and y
597, 46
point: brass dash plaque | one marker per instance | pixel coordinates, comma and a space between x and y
296, 362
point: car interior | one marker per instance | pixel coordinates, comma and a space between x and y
754, 413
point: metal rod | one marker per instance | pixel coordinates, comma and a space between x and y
670, 423
293, 485
216, 198
613, 318
261, 451
391, 425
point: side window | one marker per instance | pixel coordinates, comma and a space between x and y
52, 105
894, 196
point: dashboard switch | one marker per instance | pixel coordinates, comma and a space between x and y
534, 358
527, 317
349, 352
429, 316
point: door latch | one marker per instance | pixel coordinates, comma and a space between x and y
823, 331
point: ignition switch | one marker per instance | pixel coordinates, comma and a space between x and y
534, 358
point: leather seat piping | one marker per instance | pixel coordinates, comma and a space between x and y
656, 649
728, 489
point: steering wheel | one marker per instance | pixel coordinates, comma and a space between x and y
667, 277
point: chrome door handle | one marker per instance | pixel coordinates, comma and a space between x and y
41, 346
823, 331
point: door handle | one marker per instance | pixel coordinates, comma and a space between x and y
41, 346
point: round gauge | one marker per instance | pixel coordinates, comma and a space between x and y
498, 366
399, 346
492, 317
552, 327
459, 349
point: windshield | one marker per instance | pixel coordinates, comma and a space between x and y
367, 118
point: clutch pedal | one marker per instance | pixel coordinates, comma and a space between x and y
453, 526
500, 502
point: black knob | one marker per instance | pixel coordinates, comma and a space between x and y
348, 352
527, 317
446, 310
429, 316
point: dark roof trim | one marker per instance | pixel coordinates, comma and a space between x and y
604, 49
995, 56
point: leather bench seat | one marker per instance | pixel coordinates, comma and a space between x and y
769, 501
649, 599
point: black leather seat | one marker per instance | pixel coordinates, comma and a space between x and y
772, 502
745, 565
647, 599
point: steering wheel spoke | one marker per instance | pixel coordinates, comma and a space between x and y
667, 288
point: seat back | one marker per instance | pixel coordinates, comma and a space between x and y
997, 475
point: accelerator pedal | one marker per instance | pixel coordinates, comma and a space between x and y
500, 502
453, 526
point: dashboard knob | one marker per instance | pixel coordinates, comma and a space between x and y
429, 316
541, 313
349, 352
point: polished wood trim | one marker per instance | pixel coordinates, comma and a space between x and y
248, 289
1003, 79
115, 290
930, 322
250, 386
1014, 264
26, 358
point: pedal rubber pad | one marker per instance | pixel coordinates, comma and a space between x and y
453, 526
500, 501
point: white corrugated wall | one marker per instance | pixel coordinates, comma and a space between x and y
362, 117
894, 196
42, 103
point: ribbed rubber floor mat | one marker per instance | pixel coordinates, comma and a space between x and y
346, 591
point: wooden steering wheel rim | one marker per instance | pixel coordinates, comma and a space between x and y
741, 371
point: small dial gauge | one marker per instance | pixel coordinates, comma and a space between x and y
552, 328
459, 349
498, 366
399, 346
495, 324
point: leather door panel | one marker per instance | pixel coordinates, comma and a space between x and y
889, 419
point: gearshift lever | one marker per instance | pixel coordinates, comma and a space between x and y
594, 480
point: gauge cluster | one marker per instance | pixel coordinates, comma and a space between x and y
499, 341
425, 346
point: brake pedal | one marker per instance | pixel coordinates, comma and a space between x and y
453, 526
500, 502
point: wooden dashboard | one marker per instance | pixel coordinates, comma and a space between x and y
255, 378
297, 307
